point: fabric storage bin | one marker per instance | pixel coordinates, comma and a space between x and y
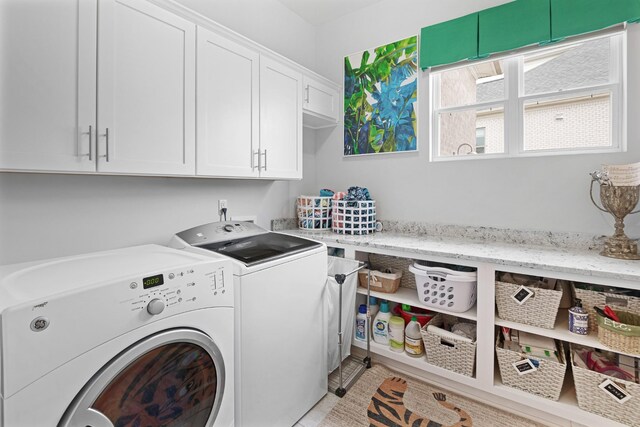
621, 336
546, 381
314, 213
592, 398
446, 289
387, 281
354, 217
449, 353
592, 299
540, 309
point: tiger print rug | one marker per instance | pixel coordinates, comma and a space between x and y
385, 398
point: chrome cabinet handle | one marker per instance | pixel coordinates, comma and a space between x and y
90, 142
265, 159
106, 153
80, 138
253, 155
306, 98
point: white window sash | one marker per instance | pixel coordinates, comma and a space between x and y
515, 99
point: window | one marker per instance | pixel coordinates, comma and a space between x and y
554, 100
480, 140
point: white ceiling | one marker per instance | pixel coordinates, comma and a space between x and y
318, 12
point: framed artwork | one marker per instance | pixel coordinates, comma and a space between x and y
380, 93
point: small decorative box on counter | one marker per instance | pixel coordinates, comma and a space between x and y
314, 213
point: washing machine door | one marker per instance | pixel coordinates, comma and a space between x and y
173, 378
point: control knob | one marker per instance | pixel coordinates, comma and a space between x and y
155, 306
229, 227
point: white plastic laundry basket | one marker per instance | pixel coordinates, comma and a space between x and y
314, 213
444, 288
354, 217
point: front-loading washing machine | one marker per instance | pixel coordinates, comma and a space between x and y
140, 336
280, 312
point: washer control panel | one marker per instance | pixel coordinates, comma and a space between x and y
178, 290
219, 232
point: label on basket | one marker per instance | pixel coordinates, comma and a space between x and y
522, 295
525, 366
616, 392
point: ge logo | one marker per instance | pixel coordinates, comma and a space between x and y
39, 324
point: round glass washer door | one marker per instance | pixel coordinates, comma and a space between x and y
173, 378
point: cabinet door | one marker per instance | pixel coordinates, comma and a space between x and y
320, 99
47, 84
227, 107
280, 120
146, 89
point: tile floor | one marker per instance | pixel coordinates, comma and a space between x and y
318, 412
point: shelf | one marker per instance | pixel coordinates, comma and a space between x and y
567, 405
408, 296
560, 332
416, 362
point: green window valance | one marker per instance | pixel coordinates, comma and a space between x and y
517, 24
571, 17
514, 25
450, 41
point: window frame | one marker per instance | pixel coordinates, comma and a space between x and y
514, 113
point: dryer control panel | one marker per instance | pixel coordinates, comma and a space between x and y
177, 289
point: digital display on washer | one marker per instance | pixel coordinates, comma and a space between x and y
153, 281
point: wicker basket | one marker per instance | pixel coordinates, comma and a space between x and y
592, 398
591, 299
382, 262
621, 336
546, 381
387, 282
460, 357
539, 310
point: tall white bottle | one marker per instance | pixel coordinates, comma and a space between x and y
381, 324
374, 308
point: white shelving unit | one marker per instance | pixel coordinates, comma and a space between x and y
560, 332
564, 412
408, 296
416, 362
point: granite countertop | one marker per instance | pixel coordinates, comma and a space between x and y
558, 258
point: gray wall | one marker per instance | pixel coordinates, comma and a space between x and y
49, 215
543, 193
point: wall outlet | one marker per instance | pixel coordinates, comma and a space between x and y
222, 204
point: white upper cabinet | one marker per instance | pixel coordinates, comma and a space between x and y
126, 87
146, 89
227, 107
47, 85
321, 104
280, 120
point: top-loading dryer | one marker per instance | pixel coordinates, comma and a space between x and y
136, 336
281, 339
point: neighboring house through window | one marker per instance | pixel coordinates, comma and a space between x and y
553, 100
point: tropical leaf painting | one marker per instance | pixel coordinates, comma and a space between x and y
380, 92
